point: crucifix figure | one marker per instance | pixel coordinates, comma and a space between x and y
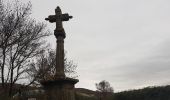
60, 35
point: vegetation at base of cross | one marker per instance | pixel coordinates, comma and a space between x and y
44, 67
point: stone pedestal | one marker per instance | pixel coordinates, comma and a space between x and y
60, 89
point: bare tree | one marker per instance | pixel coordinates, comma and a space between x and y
21, 40
44, 67
104, 90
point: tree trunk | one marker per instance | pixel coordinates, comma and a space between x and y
11, 83
2, 68
12, 73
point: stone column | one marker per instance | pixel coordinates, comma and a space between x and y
60, 58
61, 88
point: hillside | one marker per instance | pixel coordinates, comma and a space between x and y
85, 94
149, 93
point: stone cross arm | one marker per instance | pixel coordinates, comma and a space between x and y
58, 16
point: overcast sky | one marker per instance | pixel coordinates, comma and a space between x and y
126, 42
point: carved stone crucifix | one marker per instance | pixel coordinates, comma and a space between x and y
60, 35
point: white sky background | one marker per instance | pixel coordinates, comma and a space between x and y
126, 42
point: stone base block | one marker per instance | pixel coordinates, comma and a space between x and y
60, 89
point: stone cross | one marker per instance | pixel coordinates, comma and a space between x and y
61, 87
59, 33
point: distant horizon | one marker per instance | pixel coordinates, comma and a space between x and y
129, 89
114, 91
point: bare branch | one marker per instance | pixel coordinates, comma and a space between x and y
21, 40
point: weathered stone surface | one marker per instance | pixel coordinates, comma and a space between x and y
59, 33
61, 88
